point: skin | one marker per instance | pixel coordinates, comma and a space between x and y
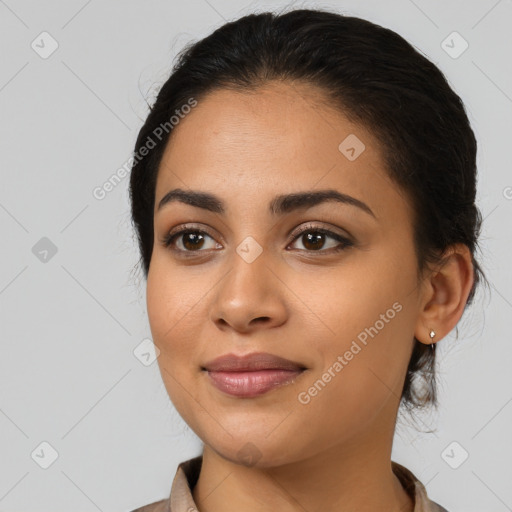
307, 305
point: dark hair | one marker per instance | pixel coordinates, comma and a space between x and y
375, 78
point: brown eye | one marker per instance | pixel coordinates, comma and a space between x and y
188, 240
315, 238
313, 241
192, 240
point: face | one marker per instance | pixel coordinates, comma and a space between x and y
328, 284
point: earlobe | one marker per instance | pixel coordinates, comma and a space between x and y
446, 296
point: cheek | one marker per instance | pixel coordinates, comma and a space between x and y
168, 313
178, 313
371, 323
170, 297
363, 371
367, 300
170, 306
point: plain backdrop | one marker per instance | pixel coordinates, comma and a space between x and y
77, 392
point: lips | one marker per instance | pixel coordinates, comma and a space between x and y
251, 375
251, 362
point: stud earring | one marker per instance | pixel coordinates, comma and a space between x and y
432, 334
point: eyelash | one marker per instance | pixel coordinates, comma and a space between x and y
345, 242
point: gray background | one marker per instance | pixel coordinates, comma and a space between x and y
72, 319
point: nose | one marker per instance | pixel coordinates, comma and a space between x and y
249, 297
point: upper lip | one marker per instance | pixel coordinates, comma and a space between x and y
251, 362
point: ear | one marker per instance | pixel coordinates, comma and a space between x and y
444, 295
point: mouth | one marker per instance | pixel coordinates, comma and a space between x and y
251, 375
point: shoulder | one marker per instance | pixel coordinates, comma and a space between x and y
416, 490
185, 479
156, 506
437, 508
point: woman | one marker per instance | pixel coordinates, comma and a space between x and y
303, 191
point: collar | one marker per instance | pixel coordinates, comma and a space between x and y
187, 474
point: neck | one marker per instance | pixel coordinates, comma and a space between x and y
350, 476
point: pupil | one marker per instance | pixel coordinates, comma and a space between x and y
194, 239
314, 240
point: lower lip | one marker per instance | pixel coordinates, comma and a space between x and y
250, 384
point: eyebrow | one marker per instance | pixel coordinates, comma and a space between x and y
280, 205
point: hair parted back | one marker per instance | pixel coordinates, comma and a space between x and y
376, 79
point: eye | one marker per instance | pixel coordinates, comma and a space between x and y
314, 238
188, 240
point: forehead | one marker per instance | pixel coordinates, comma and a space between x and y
280, 138
279, 120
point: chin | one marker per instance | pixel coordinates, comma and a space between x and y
255, 452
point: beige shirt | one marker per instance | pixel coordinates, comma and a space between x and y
181, 499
